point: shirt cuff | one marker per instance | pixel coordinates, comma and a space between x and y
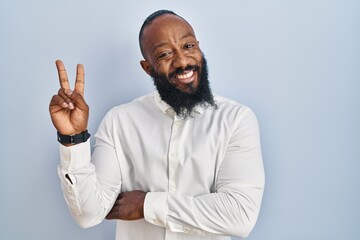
155, 208
75, 157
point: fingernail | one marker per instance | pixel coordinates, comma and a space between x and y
71, 106
68, 92
64, 105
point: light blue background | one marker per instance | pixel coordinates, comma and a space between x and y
295, 63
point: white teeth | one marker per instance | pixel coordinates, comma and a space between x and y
189, 74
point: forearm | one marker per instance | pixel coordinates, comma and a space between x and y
88, 193
232, 213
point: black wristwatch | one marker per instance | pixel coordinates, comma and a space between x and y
73, 139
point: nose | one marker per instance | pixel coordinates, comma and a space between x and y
179, 60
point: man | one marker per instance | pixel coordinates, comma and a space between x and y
175, 164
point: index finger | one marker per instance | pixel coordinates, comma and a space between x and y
80, 79
63, 78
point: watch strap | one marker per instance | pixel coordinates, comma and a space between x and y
73, 139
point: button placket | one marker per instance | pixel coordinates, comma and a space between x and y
173, 155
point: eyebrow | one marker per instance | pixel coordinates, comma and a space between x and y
163, 44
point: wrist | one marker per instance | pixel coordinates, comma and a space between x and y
69, 140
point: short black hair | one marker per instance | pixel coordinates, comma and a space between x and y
149, 20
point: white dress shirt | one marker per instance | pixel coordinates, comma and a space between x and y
203, 175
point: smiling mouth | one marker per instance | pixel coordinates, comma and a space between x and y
186, 77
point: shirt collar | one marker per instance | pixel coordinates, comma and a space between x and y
165, 108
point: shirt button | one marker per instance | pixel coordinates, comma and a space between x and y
172, 186
68, 189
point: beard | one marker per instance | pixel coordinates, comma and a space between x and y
183, 103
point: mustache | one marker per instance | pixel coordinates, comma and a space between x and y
182, 70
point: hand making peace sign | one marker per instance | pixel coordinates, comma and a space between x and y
68, 109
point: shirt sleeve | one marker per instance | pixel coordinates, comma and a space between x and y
234, 207
90, 195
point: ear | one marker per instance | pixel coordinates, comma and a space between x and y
146, 66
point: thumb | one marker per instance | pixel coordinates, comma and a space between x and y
77, 98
